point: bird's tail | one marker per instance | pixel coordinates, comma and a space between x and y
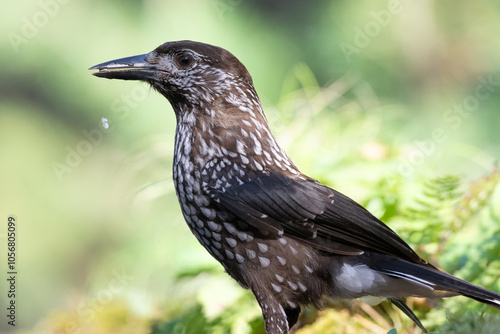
441, 284
406, 310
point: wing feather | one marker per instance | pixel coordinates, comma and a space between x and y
301, 208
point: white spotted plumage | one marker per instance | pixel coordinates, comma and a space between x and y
207, 159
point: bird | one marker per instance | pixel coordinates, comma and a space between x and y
283, 235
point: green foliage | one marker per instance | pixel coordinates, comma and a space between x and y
112, 318
242, 317
430, 217
471, 323
192, 321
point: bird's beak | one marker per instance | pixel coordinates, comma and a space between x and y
130, 68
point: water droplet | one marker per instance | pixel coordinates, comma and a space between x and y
105, 123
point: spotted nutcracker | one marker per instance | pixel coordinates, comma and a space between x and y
289, 239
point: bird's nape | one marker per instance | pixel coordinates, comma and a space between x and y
289, 239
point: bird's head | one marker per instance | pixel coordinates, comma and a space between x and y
212, 95
189, 74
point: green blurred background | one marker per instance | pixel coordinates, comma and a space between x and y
370, 97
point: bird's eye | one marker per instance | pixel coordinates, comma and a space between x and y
185, 60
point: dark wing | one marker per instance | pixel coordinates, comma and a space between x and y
304, 209
348, 221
